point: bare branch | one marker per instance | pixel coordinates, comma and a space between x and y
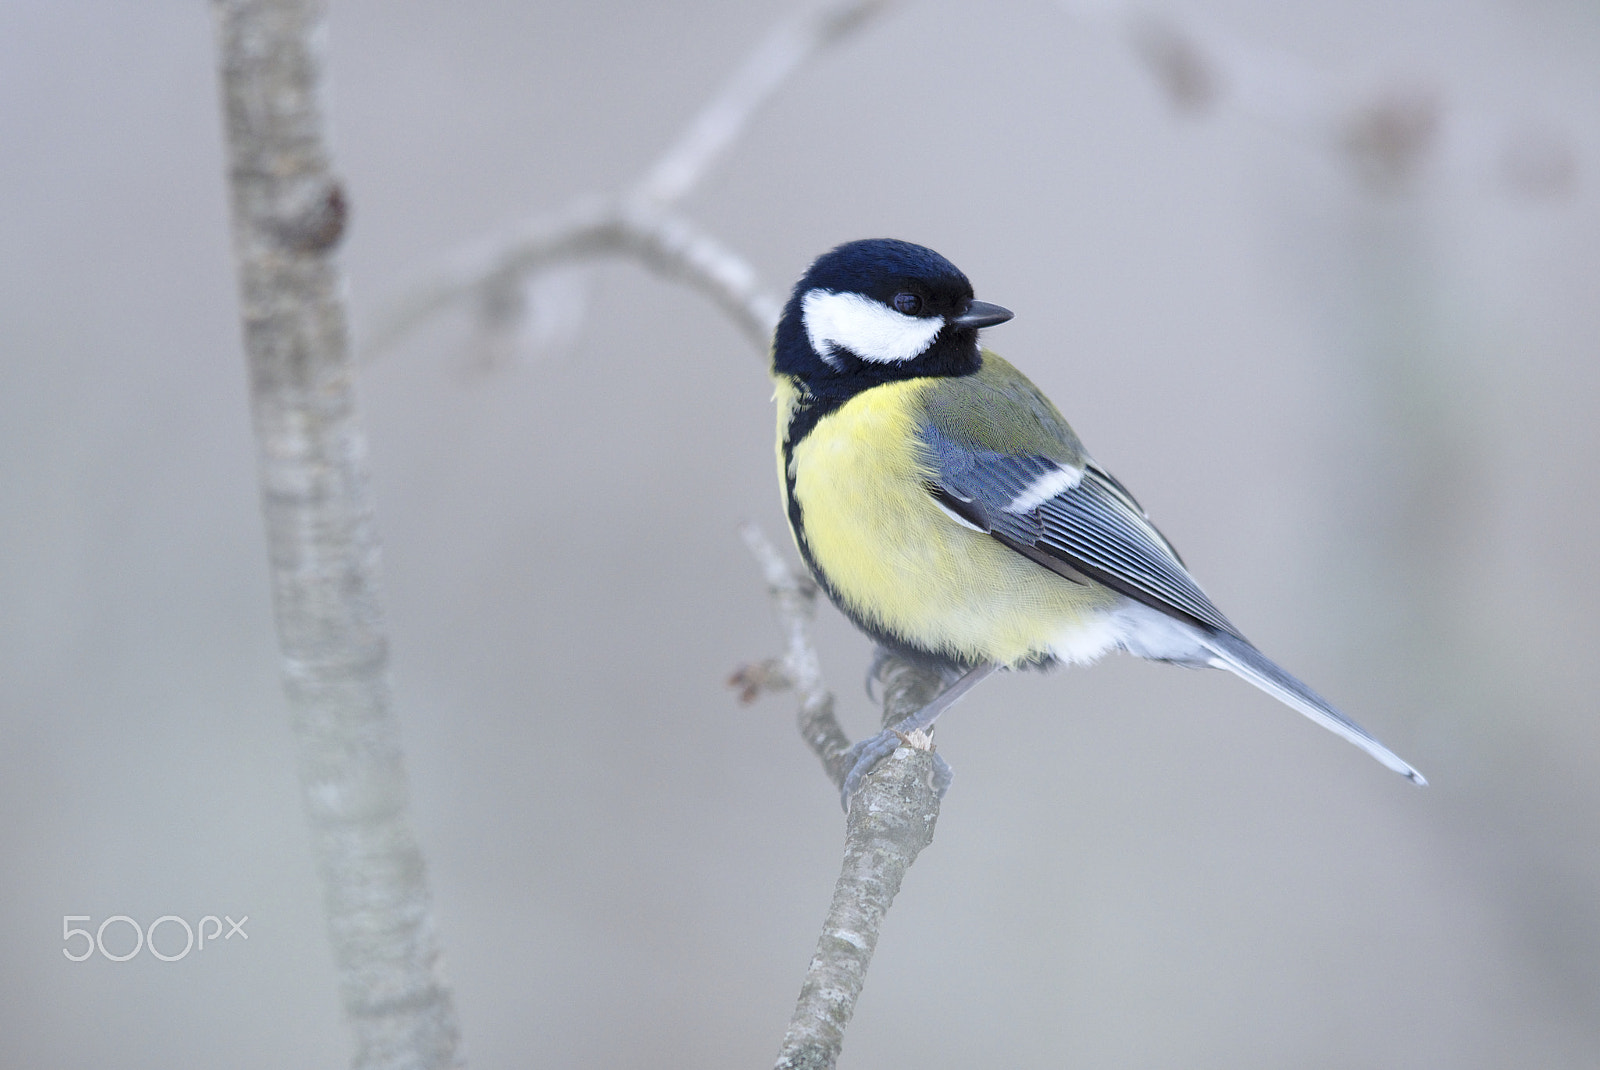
891, 820
288, 217
662, 240
1386, 134
796, 599
747, 91
639, 222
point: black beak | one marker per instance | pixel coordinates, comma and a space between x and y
981, 314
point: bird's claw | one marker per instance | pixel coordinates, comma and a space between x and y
864, 757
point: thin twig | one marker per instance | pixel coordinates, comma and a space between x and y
1390, 135
796, 600
756, 81
639, 222
659, 238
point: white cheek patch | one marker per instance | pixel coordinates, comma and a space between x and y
1044, 488
870, 330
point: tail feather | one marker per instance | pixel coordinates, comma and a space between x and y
1245, 661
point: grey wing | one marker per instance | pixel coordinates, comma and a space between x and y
1079, 523
1084, 525
1098, 526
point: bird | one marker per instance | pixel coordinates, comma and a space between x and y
949, 511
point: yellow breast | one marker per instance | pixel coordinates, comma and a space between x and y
900, 562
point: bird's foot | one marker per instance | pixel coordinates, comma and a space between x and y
865, 756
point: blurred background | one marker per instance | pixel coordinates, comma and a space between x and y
1319, 282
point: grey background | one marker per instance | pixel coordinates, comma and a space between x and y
1366, 418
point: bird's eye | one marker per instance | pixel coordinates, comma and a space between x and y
908, 304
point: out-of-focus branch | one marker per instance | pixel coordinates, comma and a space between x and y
891, 818
288, 217
1387, 135
757, 80
638, 222
659, 238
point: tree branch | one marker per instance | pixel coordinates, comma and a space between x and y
757, 80
891, 818
796, 599
639, 222
662, 240
288, 217
1389, 135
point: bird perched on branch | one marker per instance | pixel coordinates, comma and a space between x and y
950, 512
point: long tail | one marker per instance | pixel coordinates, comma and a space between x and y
1245, 661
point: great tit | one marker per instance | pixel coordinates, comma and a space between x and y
950, 512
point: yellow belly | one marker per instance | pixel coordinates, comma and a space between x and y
902, 564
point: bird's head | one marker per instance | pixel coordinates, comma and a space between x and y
878, 310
